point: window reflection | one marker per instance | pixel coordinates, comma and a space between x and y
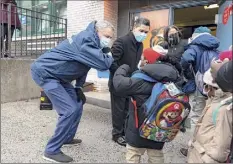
36, 23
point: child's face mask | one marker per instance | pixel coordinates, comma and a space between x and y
209, 91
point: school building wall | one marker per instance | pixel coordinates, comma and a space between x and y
224, 30
81, 13
127, 6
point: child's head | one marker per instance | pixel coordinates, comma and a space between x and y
161, 46
150, 56
210, 87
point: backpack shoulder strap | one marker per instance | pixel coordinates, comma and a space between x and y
140, 75
215, 112
156, 91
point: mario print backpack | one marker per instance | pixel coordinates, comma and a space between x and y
165, 111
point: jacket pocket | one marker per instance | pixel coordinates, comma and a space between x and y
198, 147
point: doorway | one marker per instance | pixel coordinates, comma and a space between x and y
187, 19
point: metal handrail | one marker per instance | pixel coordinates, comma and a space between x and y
38, 34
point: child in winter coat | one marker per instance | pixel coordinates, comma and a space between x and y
140, 90
213, 133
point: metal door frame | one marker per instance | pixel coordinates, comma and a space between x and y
171, 6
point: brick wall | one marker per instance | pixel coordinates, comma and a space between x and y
111, 13
81, 13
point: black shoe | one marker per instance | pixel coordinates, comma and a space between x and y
184, 152
59, 158
120, 140
74, 142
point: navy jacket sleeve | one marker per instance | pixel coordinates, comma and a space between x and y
91, 55
187, 61
117, 53
130, 86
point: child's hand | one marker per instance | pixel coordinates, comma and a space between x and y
144, 62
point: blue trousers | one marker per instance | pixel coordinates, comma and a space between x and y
69, 110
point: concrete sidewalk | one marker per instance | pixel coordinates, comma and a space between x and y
100, 99
25, 131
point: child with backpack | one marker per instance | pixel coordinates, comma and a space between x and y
195, 61
158, 107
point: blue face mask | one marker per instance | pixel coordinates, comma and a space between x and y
104, 42
140, 36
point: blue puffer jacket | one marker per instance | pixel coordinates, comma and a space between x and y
192, 56
73, 58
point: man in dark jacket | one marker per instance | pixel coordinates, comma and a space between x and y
140, 90
56, 69
125, 50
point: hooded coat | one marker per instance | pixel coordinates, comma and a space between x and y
140, 90
73, 58
191, 60
213, 133
201, 43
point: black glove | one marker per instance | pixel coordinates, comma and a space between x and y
80, 95
106, 50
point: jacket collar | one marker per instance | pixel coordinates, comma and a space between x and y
132, 37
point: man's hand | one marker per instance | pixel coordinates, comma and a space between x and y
215, 66
143, 61
80, 95
106, 50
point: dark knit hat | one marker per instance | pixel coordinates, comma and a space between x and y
224, 77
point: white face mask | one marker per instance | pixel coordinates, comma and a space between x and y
105, 42
206, 92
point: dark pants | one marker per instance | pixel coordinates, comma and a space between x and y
4, 35
119, 106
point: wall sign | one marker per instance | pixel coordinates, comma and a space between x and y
227, 13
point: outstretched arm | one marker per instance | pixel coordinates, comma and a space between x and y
94, 56
117, 53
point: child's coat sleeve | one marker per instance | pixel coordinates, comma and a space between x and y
127, 86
